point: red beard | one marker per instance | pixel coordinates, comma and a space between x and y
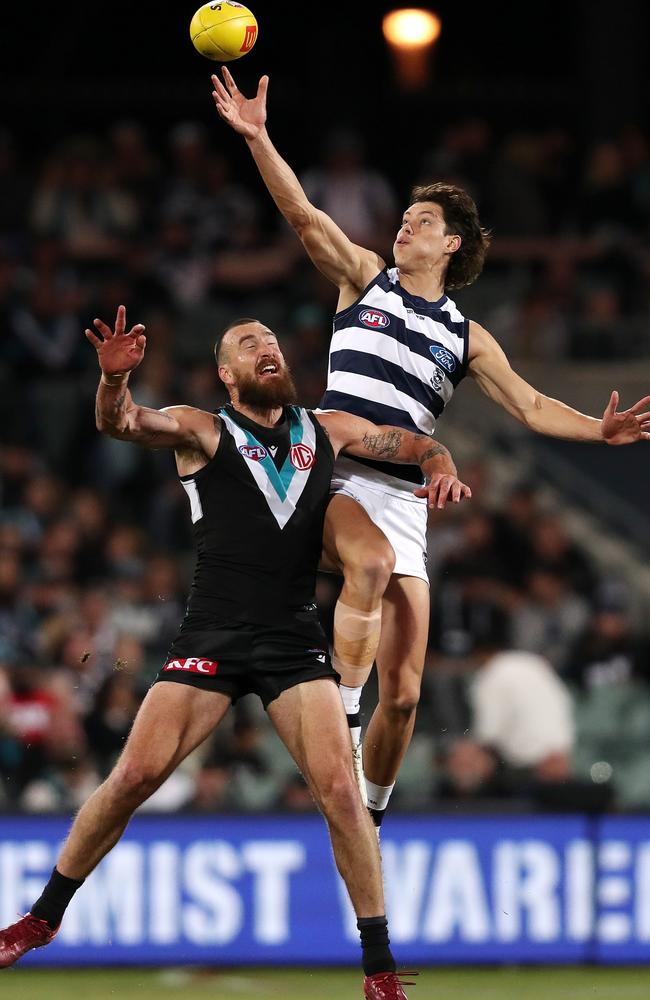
262, 394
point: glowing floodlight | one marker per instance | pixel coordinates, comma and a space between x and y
411, 28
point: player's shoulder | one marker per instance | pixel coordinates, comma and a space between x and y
480, 341
187, 414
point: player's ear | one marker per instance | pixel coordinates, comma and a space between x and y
453, 243
226, 376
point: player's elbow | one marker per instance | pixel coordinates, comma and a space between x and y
106, 426
303, 219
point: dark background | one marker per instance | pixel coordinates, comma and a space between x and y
581, 64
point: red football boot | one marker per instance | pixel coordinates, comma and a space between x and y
387, 986
27, 933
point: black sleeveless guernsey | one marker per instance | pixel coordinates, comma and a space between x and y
258, 508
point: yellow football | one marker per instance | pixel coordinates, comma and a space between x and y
223, 31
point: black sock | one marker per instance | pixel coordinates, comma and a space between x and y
55, 898
375, 945
377, 815
354, 721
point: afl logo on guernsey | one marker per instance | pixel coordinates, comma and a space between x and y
301, 457
444, 358
375, 319
254, 452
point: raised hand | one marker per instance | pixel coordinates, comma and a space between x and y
246, 115
118, 352
627, 426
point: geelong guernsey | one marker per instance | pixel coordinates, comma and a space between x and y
258, 508
396, 358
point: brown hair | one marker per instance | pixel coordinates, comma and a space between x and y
461, 219
244, 321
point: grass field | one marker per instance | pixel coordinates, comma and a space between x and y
441, 984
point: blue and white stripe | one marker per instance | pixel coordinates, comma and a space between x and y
402, 371
395, 365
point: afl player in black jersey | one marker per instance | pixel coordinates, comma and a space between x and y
257, 476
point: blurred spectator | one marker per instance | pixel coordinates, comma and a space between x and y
515, 199
606, 207
547, 618
609, 651
78, 202
109, 722
552, 549
359, 199
521, 731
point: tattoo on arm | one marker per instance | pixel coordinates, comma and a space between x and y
383, 445
435, 449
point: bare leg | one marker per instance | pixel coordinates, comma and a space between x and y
309, 719
353, 544
172, 721
400, 662
364, 555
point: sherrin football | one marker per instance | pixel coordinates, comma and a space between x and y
223, 31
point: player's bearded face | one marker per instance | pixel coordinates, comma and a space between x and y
262, 390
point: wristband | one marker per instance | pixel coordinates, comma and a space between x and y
118, 375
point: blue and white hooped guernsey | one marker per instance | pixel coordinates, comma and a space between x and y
396, 358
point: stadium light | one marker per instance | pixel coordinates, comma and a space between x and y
411, 34
411, 28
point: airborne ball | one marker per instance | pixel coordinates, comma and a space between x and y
223, 31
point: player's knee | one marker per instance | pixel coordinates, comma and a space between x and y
371, 568
338, 798
135, 782
402, 702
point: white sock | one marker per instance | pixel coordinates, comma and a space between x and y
378, 795
351, 698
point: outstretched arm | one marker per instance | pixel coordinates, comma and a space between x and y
490, 367
119, 352
347, 265
393, 444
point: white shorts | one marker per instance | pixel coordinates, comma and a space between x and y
392, 507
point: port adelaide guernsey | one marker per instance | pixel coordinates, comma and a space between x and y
258, 508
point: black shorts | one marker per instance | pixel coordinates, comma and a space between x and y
237, 658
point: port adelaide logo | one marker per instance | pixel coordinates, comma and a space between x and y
374, 318
254, 452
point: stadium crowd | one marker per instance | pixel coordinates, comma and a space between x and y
95, 542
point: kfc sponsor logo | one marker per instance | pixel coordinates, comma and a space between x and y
375, 319
301, 457
255, 452
193, 665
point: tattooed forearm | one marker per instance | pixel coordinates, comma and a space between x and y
385, 444
433, 451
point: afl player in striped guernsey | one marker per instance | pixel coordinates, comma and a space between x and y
399, 348
258, 477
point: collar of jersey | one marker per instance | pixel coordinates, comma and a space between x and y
417, 300
280, 480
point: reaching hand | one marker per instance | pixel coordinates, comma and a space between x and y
627, 426
246, 116
119, 351
442, 488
